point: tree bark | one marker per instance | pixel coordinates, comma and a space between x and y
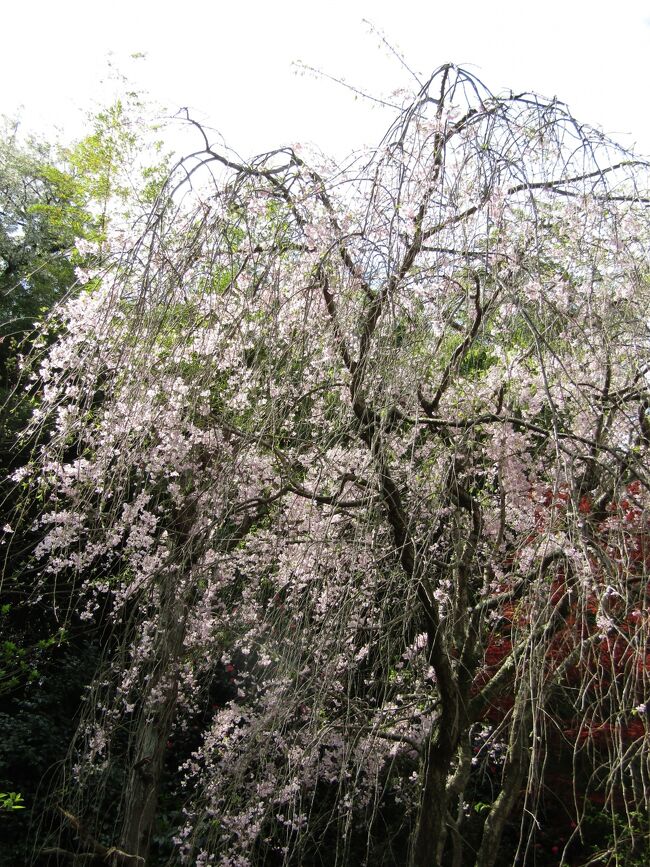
430, 834
514, 777
143, 784
154, 728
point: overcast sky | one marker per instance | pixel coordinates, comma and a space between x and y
232, 63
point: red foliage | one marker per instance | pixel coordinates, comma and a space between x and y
603, 621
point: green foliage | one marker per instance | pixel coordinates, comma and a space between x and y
20, 658
42, 212
11, 801
117, 168
51, 197
618, 840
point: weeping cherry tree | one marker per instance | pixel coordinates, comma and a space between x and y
372, 441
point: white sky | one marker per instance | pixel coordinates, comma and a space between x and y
231, 62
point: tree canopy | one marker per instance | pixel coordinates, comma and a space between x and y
349, 462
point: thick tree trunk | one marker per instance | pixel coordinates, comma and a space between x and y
514, 777
144, 779
154, 728
455, 792
431, 831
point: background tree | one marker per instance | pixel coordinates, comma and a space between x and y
42, 213
372, 441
